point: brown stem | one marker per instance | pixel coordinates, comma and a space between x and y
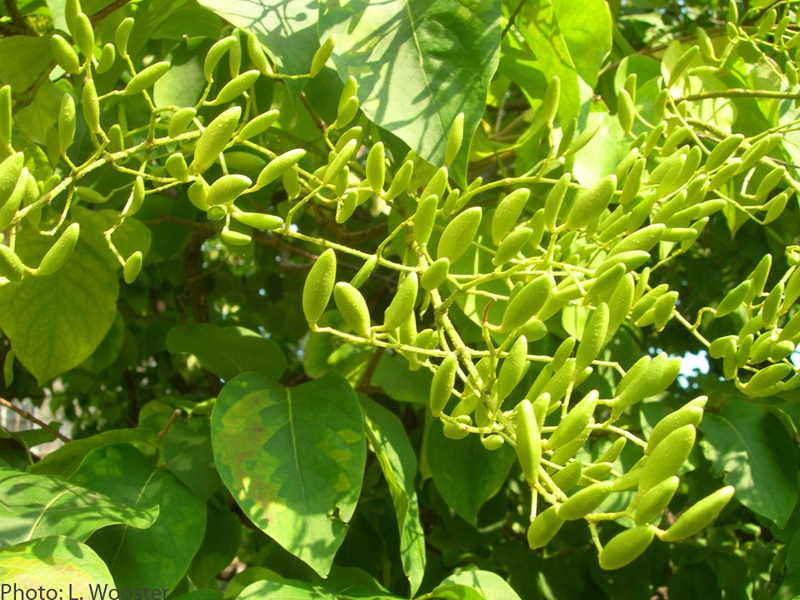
29, 417
163, 433
103, 13
317, 119
130, 389
364, 383
513, 16
20, 24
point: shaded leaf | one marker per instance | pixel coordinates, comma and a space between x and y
489, 584
394, 378
188, 455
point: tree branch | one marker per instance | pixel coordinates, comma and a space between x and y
29, 417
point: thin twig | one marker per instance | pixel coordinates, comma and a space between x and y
739, 93
20, 23
103, 13
163, 433
366, 378
29, 417
513, 16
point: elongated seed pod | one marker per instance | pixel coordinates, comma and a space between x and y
513, 368
91, 106
603, 287
552, 98
584, 501
235, 57
435, 275
626, 112
319, 286
552, 204
89, 195
339, 161
215, 53
454, 139
733, 299
217, 212
791, 329
526, 303
322, 55
353, 307
259, 220
511, 245
655, 134
632, 182
769, 182
699, 516
681, 65
557, 386
176, 166
136, 198
83, 35
653, 378
492, 442
674, 139
770, 306
589, 204
459, 234
376, 168
442, 385
402, 305
507, 213
575, 422
122, 35
233, 238
425, 218
278, 166
436, 185
236, 86
364, 272
627, 546
65, 56
59, 253
662, 311
544, 528
227, 188
529, 446
632, 259
401, 180
214, 139
346, 113
655, 500
146, 77
5, 115
180, 121
347, 206
11, 267
766, 378
775, 207
257, 55
10, 175
667, 457
568, 477
71, 10
643, 239
723, 151
132, 267
594, 336
66, 123
563, 352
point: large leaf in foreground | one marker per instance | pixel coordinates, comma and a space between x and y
56, 322
293, 458
33, 506
418, 63
750, 446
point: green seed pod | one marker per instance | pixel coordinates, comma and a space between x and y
759, 278
116, 140
619, 304
236, 86
769, 182
364, 272
136, 198
59, 253
257, 55
376, 168
89, 195
596, 472
10, 175
227, 188
83, 34
346, 207
743, 354
424, 219
442, 385
454, 139
513, 368
322, 55
71, 10
723, 151
5, 115
544, 528
791, 330
552, 98
643, 239
401, 180
339, 162
660, 108
350, 89
132, 267
533, 330
690, 413
719, 346
11, 266
662, 311
180, 121
724, 174
291, 183
319, 286
507, 213
176, 166
678, 234
347, 113
563, 352
655, 134
626, 112
759, 150
492, 442
121, 36
627, 546
402, 304
353, 307
65, 56
705, 45
699, 516
278, 166
91, 106
215, 53
667, 457
561, 380
567, 137
214, 139
568, 477
529, 446
457, 237
584, 501
454, 431
655, 500
436, 185
612, 453
589, 204
575, 422
674, 139
235, 58
775, 207
259, 220
66, 123
511, 245
632, 259
733, 299
217, 212
426, 339
770, 306
552, 205
655, 377
536, 224
761, 348
198, 194
681, 64
146, 77
781, 350
526, 303
594, 336
568, 450
629, 480
761, 383
435, 275
234, 238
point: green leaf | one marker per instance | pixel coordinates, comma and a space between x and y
694, 582
129, 237
490, 585
285, 590
33, 506
228, 351
398, 462
183, 84
67, 459
109, 349
161, 554
31, 54
57, 562
56, 322
465, 473
399, 48
586, 28
219, 547
293, 459
188, 455
394, 378
749, 445
456, 591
